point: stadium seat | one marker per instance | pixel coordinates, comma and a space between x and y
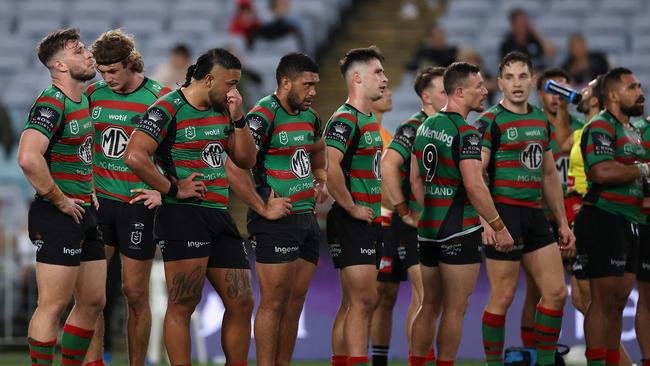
604, 25
466, 26
142, 29
554, 25
641, 44
469, 8
608, 43
91, 29
531, 7
636, 62
144, 9
620, 7
192, 27
279, 46
573, 8
94, 9
41, 10
33, 31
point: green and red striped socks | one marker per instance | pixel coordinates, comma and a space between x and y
548, 323
41, 353
431, 358
416, 360
528, 337
596, 356
445, 363
494, 331
74, 344
95, 363
339, 360
358, 361
612, 357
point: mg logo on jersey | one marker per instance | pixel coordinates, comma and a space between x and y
300, 164
284, 137
512, 133
190, 132
74, 127
532, 156
212, 154
114, 141
85, 150
376, 165
96, 112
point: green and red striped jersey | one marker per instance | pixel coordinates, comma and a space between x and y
285, 142
643, 125
402, 143
115, 117
442, 141
605, 138
357, 136
68, 126
190, 140
517, 144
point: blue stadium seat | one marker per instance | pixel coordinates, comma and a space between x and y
620, 7
144, 9
142, 29
641, 44
90, 28
41, 10
573, 8
192, 27
636, 62
33, 31
605, 24
555, 25
470, 8
105, 9
608, 43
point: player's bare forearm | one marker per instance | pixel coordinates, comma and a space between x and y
242, 185
391, 182
611, 172
241, 148
137, 157
336, 180
477, 192
552, 193
31, 148
562, 129
318, 156
417, 185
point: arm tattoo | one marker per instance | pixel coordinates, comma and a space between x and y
187, 286
239, 283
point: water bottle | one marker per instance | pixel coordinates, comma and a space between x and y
565, 93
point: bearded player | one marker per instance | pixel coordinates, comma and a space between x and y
190, 131
290, 176
56, 155
399, 255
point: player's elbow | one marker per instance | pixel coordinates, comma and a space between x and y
133, 160
598, 175
247, 161
26, 160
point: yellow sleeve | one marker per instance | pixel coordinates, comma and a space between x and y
577, 178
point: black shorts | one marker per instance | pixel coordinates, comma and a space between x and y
607, 243
643, 270
464, 249
189, 231
127, 227
59, 240
351, 241
527, 226
399, 251
577, 269
284, 240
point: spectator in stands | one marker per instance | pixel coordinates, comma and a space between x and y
467, 54
523, 37
282, 24
245, 23
434, 51
7, 133
584, 65
172, 73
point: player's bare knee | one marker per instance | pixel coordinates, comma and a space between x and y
579, 302
556, 294
184, 304
502, 297
243, 304
52, 308
91, 304
136, 296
